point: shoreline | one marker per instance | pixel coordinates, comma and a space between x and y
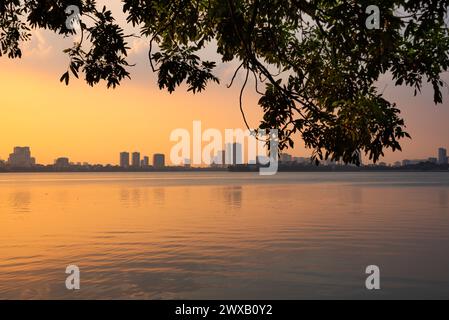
234, 170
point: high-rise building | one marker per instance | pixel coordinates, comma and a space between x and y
124, 159
136, 160
62, 163
21, 158
146, 162
158, 161
219, 160
442, 156
234, 154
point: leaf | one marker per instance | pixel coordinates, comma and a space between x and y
65, 78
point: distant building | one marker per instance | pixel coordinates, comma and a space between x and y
252, 161
328, 162
413, 162
145, 162
406, 163
62, 163
187, 163
397, 164
159, 161
136, 160
234, 154
124, 159
433, 160
219, 160
442, 156
21, 158
301, 160
286, 158
262, 160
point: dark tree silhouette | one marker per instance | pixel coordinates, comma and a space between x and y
315, 62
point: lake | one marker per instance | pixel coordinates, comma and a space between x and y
224, 235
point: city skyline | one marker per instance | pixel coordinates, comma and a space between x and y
21, 157
30, 121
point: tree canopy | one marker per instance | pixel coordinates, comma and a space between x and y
315, 62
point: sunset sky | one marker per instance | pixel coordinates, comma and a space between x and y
95, 124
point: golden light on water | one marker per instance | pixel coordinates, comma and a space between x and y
222, 235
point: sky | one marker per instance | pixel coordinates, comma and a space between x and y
95, 124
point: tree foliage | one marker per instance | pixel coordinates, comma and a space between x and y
315, 63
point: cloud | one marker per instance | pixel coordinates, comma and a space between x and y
39, 46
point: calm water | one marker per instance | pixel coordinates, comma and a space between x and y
223, 235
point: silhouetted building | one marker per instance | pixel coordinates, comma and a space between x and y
124, 159
145, 162
234, 154
159, 161
62, 163
136, 160
301, 160
21, 158
222, 155
442, 156
286, 158
413, 162
219, 160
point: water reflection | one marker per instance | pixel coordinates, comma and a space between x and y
20, 201
133, 197
136, 197
159, 196
232, 197
227, 237
357, 195
443, 198
125, 197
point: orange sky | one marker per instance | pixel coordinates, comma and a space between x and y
95, 124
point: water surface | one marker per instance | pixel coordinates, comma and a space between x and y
224, 235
